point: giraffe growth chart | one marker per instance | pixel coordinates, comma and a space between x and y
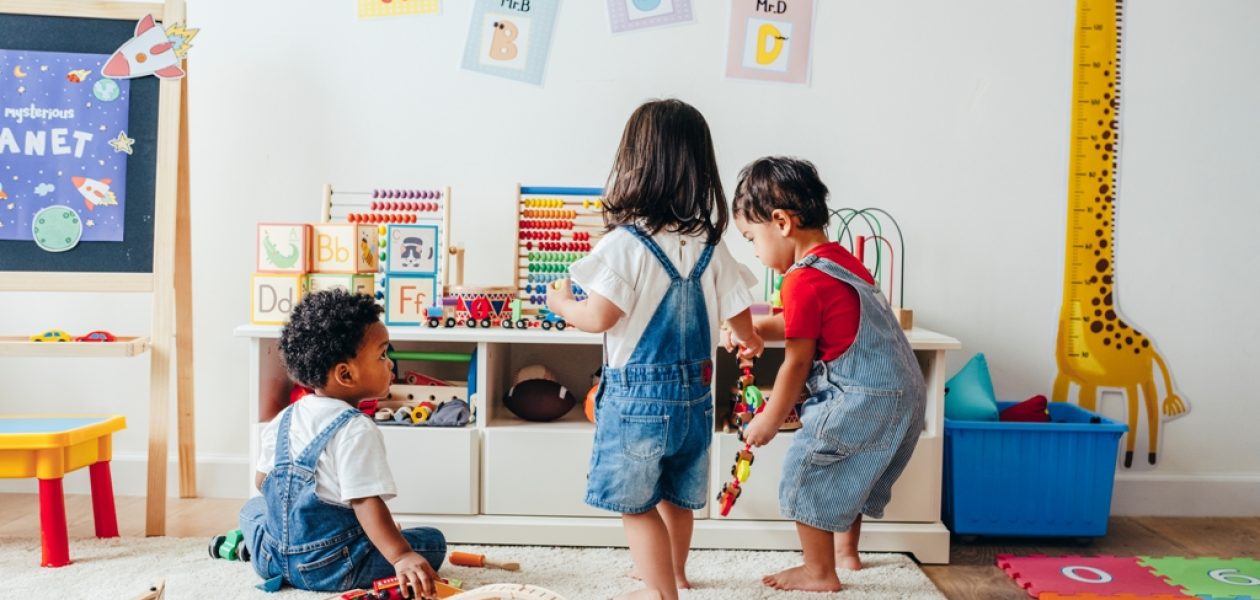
1096, 347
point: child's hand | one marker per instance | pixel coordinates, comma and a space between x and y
415, 572
558, 292
760, 431
752, 347
748, 349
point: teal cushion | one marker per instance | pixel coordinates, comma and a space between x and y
969, 393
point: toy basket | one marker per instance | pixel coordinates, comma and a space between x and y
1031, 479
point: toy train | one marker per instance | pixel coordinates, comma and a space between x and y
486, 308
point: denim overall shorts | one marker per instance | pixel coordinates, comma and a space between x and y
861, 422
299, 539
654, 416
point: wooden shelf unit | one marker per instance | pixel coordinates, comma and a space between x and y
504, 480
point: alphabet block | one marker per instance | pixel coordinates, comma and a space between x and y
408, 298
412, 249
283, 248
344, 248
355, 284
274, 296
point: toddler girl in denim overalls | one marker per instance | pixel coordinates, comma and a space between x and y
654, 409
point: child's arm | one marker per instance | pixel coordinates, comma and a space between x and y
770, 328
259, 478
797, 361
742, 333
596, 314
379, 525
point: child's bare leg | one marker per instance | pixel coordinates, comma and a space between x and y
847, 547
650, 549
680, 522
818, 574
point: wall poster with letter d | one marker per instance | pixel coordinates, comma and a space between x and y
770, 40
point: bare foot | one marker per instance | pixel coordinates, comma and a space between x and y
848, 562
800, 578
679, 580
644, 594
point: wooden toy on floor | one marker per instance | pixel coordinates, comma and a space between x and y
469, 559
156, 591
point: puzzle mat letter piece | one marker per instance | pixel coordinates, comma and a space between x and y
1207, 577
1099, 575
1054, 596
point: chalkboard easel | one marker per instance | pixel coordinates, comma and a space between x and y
155, 255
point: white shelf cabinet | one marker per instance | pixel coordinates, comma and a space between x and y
503, 480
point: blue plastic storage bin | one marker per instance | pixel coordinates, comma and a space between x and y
1031, 479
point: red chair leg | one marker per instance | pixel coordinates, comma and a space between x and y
52, 524
103, 513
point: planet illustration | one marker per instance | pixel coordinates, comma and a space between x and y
105, 90
56, 228
647, 5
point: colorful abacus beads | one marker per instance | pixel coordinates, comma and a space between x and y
408, 194
560, 246
380, 218
412, 206
549, 213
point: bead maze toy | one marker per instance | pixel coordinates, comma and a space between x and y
556, 226
878, 221
747, 401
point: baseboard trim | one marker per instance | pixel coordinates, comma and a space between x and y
218, 476
1172, 495
1136, 494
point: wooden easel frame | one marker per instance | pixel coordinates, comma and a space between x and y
170, 282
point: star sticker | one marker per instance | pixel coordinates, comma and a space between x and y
122, 143
91, 223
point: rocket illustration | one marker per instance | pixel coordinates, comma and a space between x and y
149, 52
95, 192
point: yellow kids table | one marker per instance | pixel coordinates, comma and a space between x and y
49, 446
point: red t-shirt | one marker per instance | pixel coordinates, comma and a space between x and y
820, 307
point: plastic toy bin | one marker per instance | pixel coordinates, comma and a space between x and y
1031, 479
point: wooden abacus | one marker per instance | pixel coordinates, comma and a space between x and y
555, 226
386, 206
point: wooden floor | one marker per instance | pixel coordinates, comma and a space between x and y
971, 573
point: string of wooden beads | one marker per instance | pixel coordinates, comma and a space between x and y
560, 246
541, 235
380, 218
408, 194
413, 206
553, 224
596, 204
549, 213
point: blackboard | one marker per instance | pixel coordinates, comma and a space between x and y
135, 253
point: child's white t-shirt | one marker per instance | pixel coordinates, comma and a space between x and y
623, 270
352, 464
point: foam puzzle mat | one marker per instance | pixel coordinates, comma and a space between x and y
1134, 577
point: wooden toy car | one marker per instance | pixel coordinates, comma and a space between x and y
52, 335
96, 336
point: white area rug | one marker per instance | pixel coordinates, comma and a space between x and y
125, 567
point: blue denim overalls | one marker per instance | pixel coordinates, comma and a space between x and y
297, 538
654, 416
861, 422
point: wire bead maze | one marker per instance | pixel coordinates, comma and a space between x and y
556, 226
889, 258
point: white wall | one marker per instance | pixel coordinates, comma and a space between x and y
951, 115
